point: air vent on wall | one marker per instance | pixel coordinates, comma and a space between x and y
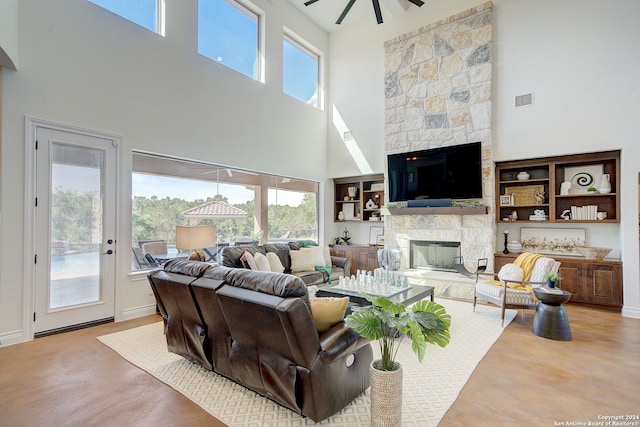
526, 99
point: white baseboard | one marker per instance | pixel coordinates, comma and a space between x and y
632, 312
16, 337
12, 337
135, 312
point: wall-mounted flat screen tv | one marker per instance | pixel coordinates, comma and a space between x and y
453, 172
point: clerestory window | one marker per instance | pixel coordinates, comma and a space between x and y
229, 33
301, 70
146, 13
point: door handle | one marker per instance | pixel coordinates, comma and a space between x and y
109, 252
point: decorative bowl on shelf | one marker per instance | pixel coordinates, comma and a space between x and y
593, 253
514, 247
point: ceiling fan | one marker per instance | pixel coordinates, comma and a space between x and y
376, 8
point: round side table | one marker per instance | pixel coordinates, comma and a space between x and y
551, 319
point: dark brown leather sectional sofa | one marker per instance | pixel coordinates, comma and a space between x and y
340, 266
256, 329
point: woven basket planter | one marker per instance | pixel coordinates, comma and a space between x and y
386, 396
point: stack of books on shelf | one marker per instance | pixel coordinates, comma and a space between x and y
589, 212
538, 217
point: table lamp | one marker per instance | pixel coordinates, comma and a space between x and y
196, 238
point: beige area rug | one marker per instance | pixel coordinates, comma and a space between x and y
429, 389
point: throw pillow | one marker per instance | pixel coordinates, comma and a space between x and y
541, 268
328, 311
326, 253
262, 262
510, 272
274, 262
248, 258
285, 259
316, 253
301, 261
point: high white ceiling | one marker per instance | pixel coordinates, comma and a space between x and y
326, 12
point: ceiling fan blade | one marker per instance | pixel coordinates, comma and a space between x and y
345, 11
418, 3
307, 3
376, 8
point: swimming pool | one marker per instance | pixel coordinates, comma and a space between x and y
75, 265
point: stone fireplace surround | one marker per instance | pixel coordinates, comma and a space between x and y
438, 92
474, 232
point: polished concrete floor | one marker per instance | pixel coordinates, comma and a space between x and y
71, 379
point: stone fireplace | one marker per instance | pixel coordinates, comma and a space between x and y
438, 93
473, 233
433, 255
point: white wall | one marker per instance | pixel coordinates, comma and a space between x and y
578, 56
9, 34
84, 66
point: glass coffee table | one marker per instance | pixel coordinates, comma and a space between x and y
406, 296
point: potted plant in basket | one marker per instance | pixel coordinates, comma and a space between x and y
426, 322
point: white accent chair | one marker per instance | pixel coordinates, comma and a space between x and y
510, 288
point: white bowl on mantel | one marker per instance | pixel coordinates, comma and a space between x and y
593, 253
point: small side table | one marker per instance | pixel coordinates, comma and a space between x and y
551, 319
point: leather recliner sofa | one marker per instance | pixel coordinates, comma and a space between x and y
256, 328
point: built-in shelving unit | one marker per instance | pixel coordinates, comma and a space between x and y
358, 208
543, 189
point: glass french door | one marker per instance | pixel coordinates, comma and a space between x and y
75, 229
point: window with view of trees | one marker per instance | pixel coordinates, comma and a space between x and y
229, 33
145, 13
243, 205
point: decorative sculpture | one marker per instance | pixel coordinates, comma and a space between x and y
345, 236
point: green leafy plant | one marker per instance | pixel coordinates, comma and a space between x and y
426, 322
553, 277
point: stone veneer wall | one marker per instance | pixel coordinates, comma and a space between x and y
438, 93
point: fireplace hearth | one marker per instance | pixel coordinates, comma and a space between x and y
433, 255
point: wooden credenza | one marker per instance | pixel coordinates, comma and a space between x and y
363, 257
596, 283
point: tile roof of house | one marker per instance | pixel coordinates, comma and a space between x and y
215, 209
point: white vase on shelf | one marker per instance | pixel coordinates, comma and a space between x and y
565, 187
605, 184
352, 192
514, 247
